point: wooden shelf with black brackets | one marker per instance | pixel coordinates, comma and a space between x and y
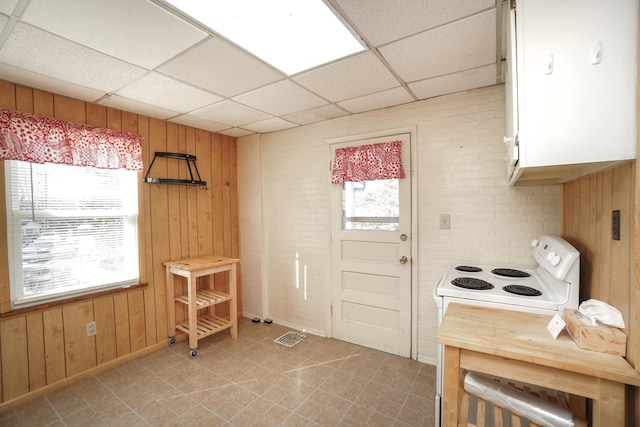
191, 167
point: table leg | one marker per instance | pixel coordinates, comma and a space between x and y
193, 314
171, 307
608, 409
233, 304
452, 392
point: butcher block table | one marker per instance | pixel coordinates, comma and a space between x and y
518, 346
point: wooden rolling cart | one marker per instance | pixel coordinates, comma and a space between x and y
201, 323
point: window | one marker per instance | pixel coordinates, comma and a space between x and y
371, 205
71, 230
369, 175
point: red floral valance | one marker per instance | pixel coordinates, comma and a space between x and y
45, 140
368, 163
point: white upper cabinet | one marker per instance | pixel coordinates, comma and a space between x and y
570, 88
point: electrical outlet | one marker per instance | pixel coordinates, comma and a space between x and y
91, 329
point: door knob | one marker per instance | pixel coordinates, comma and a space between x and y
403, 260
403, 237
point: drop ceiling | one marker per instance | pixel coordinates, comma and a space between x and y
145, 57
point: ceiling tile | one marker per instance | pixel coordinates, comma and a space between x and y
230, 113
7, 6
64, 60
138, 32
153, 60
125, 104
165, 92
270, 125
48, 84
222, 68
3, 22
349, 78
457, 82
383, 21
280, 98
198, 123
314, 115
374, 101
236, 132
465, 44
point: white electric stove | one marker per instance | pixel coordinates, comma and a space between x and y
549, 287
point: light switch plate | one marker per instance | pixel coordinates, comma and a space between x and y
615, 225
445, 221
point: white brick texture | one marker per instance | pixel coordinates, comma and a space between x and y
460, 171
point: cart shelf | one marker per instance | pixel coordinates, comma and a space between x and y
206, 325
205, 298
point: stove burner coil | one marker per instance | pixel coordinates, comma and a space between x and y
468, 269
526, 291
471, 283
510, 272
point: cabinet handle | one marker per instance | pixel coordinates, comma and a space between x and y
596, 53
548, 65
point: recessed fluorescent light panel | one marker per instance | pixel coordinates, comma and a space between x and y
291, 35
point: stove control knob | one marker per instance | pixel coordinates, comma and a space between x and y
553, 258
535, 243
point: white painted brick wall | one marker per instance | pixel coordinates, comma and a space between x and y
460, 171
250, 208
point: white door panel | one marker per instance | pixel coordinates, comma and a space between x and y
386, 286
371, 287
371, 316
370, 251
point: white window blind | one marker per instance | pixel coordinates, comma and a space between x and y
71, 230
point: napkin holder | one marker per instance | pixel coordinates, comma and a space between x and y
601, 338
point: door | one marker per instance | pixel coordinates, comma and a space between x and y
371, 258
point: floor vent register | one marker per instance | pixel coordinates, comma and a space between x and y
289, 339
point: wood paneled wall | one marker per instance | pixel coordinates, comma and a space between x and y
607, 265
46, 346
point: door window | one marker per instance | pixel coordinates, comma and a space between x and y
371, 205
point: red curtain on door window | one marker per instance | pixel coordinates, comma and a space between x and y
368, 163
37, 139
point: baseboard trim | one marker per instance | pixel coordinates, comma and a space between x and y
49, 388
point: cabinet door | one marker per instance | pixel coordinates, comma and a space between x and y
511, 94
577, 62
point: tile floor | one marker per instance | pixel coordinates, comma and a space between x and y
249, 382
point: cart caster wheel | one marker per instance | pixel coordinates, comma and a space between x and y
172, 340
193, 352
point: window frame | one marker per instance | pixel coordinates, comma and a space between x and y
131, 227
